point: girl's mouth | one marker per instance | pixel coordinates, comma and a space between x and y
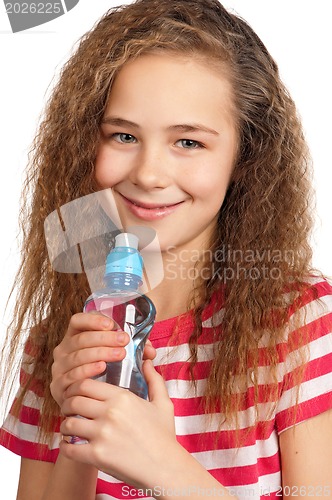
149, 211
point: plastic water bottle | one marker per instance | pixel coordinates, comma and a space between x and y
131, 312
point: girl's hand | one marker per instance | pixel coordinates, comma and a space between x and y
129, 438
86, 347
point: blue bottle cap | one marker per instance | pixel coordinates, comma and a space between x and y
124, 257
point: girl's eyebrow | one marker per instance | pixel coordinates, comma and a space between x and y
183, 127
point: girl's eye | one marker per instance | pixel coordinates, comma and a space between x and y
190, 144
124, 138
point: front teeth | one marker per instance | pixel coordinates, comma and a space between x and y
146, 208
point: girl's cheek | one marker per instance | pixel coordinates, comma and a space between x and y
106, 169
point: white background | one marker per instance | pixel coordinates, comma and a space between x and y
298, 35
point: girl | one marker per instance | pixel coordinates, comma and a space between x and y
178, 108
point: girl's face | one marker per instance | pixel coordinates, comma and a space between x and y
168, 146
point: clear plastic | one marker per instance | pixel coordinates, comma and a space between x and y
133, 313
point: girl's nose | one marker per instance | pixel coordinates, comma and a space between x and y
151, 170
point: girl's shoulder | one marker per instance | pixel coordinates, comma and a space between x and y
315, 290
305, 355
310, 306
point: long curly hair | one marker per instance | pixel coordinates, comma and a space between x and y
267, 211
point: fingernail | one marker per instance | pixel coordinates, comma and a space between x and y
106, 323
121, 337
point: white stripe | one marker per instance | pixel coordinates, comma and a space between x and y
308, 390
316, 349
31, 400
214, 320
311, 312
181, 353
317, 279
238, 457
269, 483
26, 431
308, 313
320, 346
266, 485
104, 496
106, 477
27, 363
182, 389
196, 424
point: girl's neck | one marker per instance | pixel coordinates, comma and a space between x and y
173, 294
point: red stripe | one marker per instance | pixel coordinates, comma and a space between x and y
184, 407
263, 360
31, 416
180, 370
247, 474
117, 490
314, 369
30, 348
306, 409
188, 407
181, 337
209, 441
298, 338
28, 415
161, 334
313, 292
311, 331
27, 449
36, 386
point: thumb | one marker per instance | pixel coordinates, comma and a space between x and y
156, 384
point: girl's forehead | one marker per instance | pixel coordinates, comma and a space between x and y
172, 83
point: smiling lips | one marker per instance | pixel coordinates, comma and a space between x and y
150, 211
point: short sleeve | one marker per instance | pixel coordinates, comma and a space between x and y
21, 434
314, 338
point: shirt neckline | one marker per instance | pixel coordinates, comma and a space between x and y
165, 327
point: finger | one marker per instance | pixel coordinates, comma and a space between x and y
78, 426
149, 352
85, 340
79, 453
156, 384
80, 405
81, 322
92, 355
79, 373
94, 389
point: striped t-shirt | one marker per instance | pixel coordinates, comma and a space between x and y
252, 471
